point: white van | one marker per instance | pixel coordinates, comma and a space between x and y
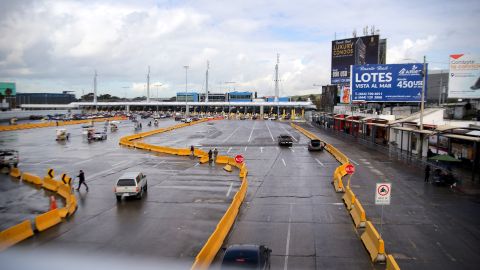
131, 184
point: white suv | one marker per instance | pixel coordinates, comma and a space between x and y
131, 184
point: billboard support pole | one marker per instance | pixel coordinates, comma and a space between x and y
422, 105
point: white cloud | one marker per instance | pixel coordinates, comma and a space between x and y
59, 44
410, 50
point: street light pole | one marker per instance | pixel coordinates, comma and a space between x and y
186, 91
422, 105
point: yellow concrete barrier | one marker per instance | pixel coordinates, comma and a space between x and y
64, 190
200, 153
243, 171
15, 172
50, 173
358, 214
15, 234
348, 198
222, 159
206, 255
204, 159
391, 263
50, 184
228, 168
338, 183
373, 243
72, 205
47, 220
31, 178
184, 152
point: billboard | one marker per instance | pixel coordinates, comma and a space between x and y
464, 79
387, 83
352, 51
7, 89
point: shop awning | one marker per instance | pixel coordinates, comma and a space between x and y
462, 137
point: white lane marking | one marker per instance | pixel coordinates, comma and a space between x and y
245, 149
46, 161
284, 164
353, 161
229, 149
81, 162
108, 170
121, 162
196, 164
290, 134
229, 190
319, 162
291, 148
251, 133
287, 245
269, 132
261, 149
226, 139
156, 165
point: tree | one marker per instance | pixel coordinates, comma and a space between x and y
87, 97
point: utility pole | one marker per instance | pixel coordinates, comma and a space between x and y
186, 91
277, 91
95, 88
206, 82
148, 85
422, 105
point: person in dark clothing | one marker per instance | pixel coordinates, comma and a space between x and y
215, 154
429, 153
192, 150
81, 180
427, 173
210, 153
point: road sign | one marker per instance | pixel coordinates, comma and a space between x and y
350, 169
239, 158
382, 193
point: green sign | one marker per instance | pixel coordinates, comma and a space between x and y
8, 89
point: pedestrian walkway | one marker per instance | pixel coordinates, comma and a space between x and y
465, 184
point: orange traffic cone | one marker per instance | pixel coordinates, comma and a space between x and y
53, 203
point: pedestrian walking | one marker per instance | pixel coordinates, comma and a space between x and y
215, 155
81, 180
192, 151
210, 153
427, 173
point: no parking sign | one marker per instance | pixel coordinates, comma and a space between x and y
382, 193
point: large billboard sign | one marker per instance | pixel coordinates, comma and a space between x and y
8, 89
387, 83
352, 51
464, 80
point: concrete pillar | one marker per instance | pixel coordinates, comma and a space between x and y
128, 108
261, 111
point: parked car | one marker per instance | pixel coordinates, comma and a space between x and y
316, 145
8, 158
285, 139
131, 184
246, 257
188, 120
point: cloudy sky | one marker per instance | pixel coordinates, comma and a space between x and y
50, 46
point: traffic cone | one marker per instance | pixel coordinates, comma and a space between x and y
53, 203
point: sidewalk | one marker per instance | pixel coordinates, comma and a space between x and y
465, 185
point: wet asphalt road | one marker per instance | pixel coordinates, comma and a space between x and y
291, 206
425, 227
184, 202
